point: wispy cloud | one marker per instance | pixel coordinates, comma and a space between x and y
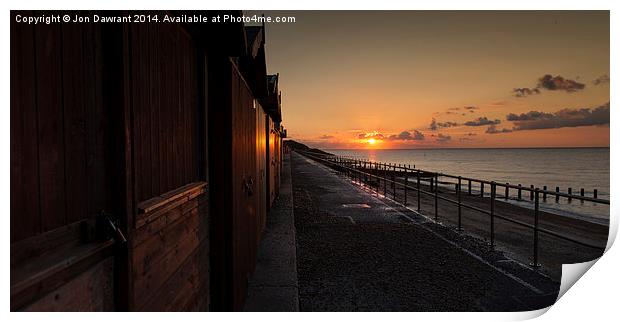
550, 83
407, 136
326, 137
441, 138
481, 121
492, 129
437, 125
524, 91
559, 83
374, 135
603, 79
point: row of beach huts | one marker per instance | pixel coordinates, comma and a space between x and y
144, 160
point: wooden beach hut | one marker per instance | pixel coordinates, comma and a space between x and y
273, 106
136, 155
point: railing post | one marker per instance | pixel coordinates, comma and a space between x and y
492, 214
582, 193
557, 197
536, 205
405, 188
469, 187
394, 182
436, 199
507, 193
570, 192
384, 168
544, 193
418, 188
481, 189
430, 186
531, 192
519, 192
458, 196
595, 193
365, 173
376, 177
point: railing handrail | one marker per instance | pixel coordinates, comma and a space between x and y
326, 158
499, 184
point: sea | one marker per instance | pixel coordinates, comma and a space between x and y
575, 168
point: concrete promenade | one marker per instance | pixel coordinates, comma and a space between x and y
356, 252
273, 286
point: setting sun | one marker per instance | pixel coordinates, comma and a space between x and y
372, 141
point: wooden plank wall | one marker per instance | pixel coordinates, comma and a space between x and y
261, 169
170, 245
61, 167
273, 157
171, 252
59, 145
244, 184
165, 106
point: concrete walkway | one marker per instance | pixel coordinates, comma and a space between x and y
357, 252
273, 286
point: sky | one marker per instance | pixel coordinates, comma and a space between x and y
389, 80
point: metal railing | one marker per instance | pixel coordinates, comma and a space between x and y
372, 173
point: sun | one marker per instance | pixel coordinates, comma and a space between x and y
372, 141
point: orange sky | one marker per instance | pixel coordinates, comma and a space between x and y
346, 75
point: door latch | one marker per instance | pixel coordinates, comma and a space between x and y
107, 227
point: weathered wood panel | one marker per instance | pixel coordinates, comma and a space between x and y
59, 137
245, 198
59, 166
104, 118
168, 250
261, 170
50, 119
170, 236
89, 291
273, 162
165, 106
25, 214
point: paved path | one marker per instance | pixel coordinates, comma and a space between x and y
357, 253
273, 286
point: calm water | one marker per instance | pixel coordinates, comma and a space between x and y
577, 168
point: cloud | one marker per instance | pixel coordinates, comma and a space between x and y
535, 120
603, 79
482, 121
492, 129
524, 91
529, 116
374, 135
437, 125
447, 124
407, 136
433, 125
550, 83
471, 109
443, 138
559, 83
326, 137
